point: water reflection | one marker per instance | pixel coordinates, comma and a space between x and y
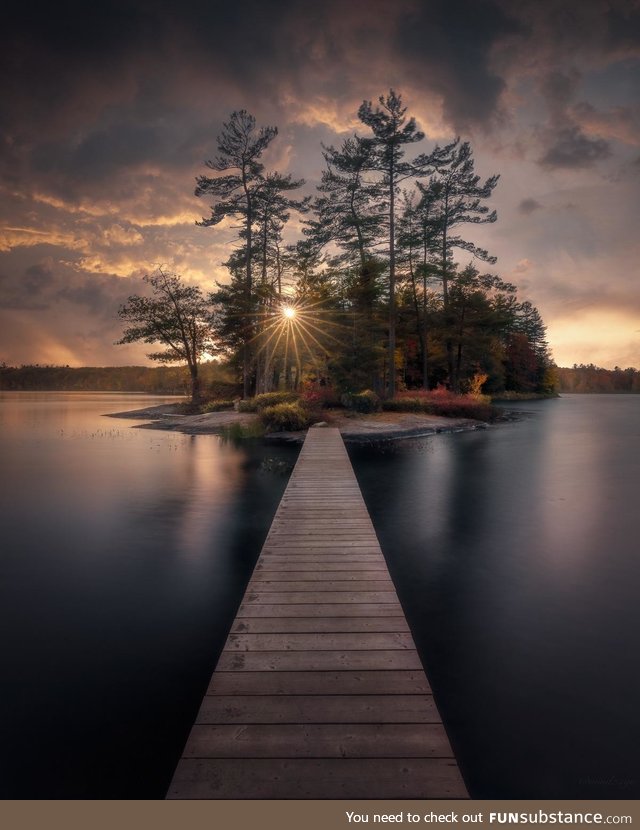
513, 551
125, 555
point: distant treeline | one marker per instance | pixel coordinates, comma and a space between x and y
162, 380
590, 378
216, 383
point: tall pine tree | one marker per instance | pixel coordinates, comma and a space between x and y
391, 132
240, 146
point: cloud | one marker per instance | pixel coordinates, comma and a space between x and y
620, 122
572, 149
558, 88
107, 119
528, 206
39, 276
449, 49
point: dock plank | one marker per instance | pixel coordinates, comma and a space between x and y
314, 709
337, 625
319, 691
318, 740
317, 660
320, 641
328, 683
330, 778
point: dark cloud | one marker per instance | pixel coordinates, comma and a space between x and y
99, 296
572, 149
105, 153
558, 88
622, 20
449, 47
109, 111
48, 281
39, 276
528, 206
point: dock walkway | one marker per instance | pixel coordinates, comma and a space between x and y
319, 691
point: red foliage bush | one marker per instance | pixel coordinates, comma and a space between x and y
319, 397
441, 401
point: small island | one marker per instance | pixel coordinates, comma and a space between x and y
376, 319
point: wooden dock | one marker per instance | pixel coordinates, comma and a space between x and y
319, 691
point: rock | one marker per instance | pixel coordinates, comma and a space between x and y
319, 424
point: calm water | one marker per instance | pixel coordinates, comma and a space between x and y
126, 551
516, 556
125, 555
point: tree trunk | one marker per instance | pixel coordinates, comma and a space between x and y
195, 386
447, 314
425, 336
392, 286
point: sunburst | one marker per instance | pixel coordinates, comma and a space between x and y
299, 329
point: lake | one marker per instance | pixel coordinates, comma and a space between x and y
126, 552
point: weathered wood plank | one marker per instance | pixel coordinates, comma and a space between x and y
326, 740
296, 709
319, 597
320, 585
321, 555
316, 641
319, 682
315, 625
316, 660
306, 571
330, 778
325, 610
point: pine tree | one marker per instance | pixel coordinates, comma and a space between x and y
417, 243
391, 131
240, 146
459, 194
350, 211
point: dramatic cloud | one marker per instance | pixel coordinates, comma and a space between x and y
449, 48
109, 112
571, 148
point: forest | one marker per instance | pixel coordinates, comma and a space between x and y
370, 284
218, 383
155, 380
590, 378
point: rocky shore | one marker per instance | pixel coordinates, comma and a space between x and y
355, 428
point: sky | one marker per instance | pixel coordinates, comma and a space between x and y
109, 111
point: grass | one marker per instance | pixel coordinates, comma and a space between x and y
444, 403
236, 433
215, 406
286, 417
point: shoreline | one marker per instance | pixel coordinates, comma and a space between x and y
354, 428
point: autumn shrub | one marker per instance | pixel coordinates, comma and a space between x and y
364, 402
405, 404
414, 394
474, 384
465, 406
319, 397
215, 406
442, 402
267, 399
286, 417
